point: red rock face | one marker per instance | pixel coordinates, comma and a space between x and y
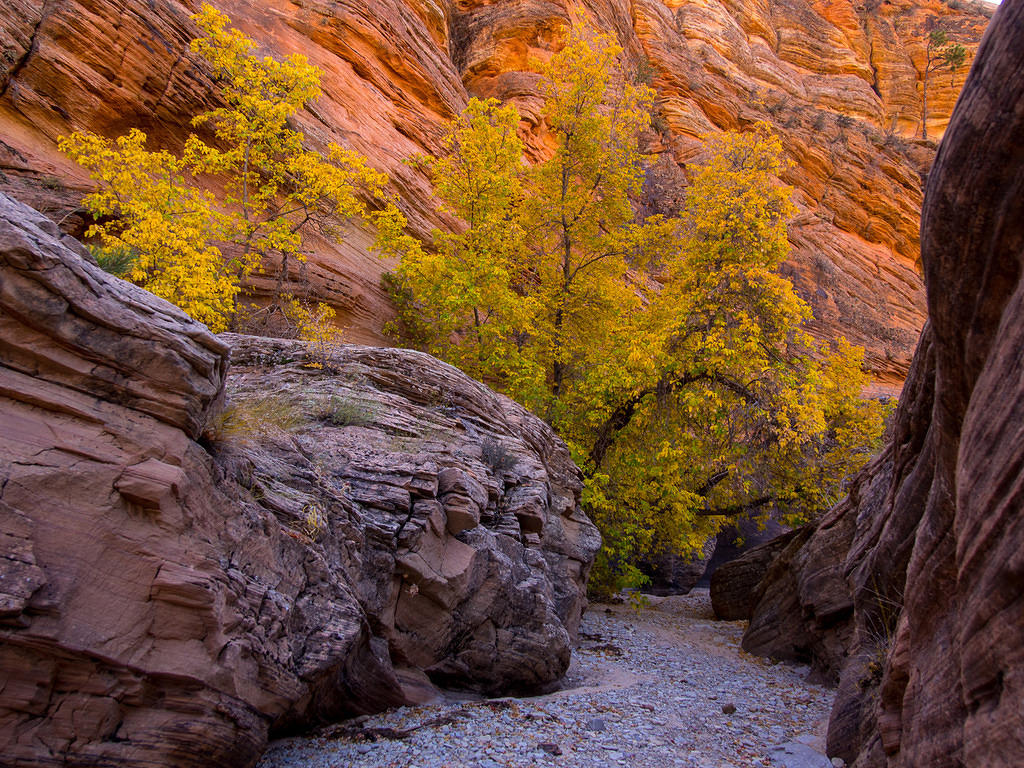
923, 560
168, 604
840, 81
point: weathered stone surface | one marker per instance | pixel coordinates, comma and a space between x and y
736, 539
164, 606
734, 584
50, 303
929, 647
840, 81
467, 543
672, 574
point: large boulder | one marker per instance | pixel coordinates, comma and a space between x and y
461, 530
911, 589
179, 580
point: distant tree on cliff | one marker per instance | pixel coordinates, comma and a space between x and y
940, 53
668, 353
272, 190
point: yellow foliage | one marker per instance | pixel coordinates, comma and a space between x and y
163, 219
274, 189
687, 400
315, 325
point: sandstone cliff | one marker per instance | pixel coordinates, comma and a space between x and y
909, 592
343, 539
840, 80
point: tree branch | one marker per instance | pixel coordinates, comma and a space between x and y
735, 509
623, 414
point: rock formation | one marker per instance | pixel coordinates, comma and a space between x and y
737, 538
910, 590
839, 80
734, 584
180, 578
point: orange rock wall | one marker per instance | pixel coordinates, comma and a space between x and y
841, 81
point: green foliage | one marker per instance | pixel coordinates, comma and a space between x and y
349, 412
940, 53
274, 189
118, 261
255, 417
670, 354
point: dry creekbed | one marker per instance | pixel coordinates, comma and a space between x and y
665, 685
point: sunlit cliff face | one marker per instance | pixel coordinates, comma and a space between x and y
841, 82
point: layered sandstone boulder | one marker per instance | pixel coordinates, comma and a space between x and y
180, 578
840, 81
911, 589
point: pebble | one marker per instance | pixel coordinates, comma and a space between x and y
657, 705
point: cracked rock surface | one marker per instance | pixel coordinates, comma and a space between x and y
187, 569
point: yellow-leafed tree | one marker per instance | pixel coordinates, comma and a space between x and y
273, 189
669, 353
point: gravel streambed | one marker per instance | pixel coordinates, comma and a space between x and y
665, 685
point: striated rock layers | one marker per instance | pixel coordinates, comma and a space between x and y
841, 81
910, 591
340, 540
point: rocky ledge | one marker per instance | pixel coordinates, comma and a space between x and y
909, 592
193, 559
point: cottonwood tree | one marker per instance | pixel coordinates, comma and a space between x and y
273, 190
686, 399
463, 297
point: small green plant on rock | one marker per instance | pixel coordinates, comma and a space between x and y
314, 324
314, 522
496, 456
883, 616
255, 416
118, 260
940, 53
341, 412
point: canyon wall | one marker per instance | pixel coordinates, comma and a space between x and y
841, 82
909, 592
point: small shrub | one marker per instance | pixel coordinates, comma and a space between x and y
612, 575
844, 121
496, 455
254, 417
314, 324
645, 72
118, 260
349, 413
314, 522
778, 107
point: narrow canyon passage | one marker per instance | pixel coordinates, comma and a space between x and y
663, 685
